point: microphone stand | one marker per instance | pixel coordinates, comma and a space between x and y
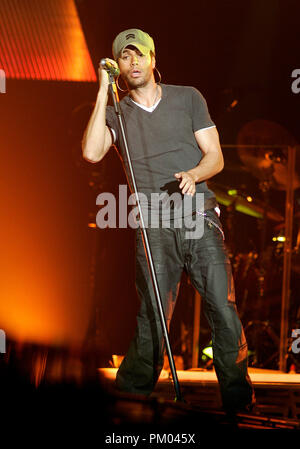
115, 97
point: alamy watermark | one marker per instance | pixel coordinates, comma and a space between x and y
296, 83
2, 82
2, 342
158, 210
296, 343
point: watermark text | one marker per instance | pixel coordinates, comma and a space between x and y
296, 83
154, 210
296, 343
2, 82
2, 342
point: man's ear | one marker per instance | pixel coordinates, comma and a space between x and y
153, 62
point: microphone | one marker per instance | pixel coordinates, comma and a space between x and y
111, 67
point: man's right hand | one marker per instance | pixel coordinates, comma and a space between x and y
103, 75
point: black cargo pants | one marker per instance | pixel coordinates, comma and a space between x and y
206, 262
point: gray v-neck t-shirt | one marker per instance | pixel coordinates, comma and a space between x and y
162, 142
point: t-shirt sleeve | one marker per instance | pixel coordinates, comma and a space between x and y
111, 122
200, 114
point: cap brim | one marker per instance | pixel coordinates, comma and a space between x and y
143, 49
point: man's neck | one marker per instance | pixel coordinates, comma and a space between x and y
146, 95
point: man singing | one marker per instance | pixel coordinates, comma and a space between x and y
174, 146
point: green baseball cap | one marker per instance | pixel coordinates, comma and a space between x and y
135, 37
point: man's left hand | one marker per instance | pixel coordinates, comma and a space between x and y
188, 184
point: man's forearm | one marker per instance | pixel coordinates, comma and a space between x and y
93, 142
210, 164
212, 161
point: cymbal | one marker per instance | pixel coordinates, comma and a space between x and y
267, 164
244, 203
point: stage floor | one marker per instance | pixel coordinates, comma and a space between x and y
257, 376
277, 393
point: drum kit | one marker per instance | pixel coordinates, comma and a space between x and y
262, 152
